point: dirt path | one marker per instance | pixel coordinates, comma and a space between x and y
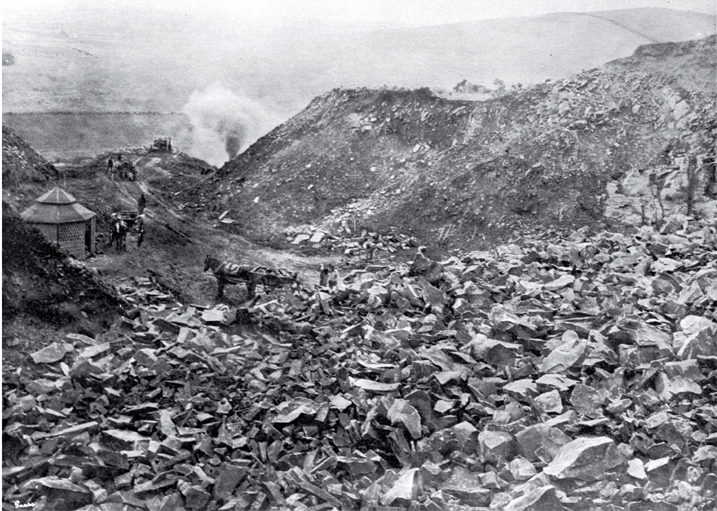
176, 244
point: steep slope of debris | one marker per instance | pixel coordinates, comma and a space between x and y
573, 374
20, 163
42, 285
459, 173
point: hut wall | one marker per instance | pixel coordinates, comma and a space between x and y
72, 238
48, 230
92, 228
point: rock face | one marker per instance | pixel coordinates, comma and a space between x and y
607, 145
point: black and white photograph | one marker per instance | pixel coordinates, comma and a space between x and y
359, 255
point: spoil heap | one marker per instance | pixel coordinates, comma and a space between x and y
573, 374
42, 286
364, 244
20, 162
459, 173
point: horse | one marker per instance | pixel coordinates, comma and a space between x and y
118, 234
231, 273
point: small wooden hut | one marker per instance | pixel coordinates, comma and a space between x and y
63, 220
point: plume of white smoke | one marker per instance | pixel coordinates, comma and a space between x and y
224, 123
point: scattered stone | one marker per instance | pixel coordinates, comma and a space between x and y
496, 445
540, 499
52, 353
568, 354
465, 486
402, 412
521, 469
636, 469
405, 489
491, 383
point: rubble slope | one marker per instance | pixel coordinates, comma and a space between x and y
42, 285
20, 162
574, 374
460, 172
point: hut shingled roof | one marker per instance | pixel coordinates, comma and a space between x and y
56, 207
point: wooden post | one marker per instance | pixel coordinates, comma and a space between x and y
691, 170
92, 235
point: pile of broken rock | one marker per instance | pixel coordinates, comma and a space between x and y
357, 246
574, 374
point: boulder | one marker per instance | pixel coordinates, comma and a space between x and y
496, 445
549, 402
540, 499
586, 459
565, 356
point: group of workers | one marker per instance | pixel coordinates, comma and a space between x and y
119, 228
113, 167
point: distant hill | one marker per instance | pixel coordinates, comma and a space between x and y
151, 64
517, 50
68, 135
457, 171
160, 64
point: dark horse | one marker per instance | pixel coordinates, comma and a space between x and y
231, 273
118, 233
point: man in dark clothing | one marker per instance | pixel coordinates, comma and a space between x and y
111, 169
324, 275
140, 230
141, 203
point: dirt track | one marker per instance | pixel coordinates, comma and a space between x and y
179, 257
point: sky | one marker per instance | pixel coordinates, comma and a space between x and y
388, 12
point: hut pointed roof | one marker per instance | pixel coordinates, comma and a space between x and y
56, 196
56, 207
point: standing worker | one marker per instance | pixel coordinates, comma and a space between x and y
141, 203
140, 230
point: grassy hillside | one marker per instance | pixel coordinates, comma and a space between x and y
440, 56
460, 172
